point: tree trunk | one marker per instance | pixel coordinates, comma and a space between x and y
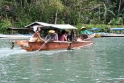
119, 6
56, 17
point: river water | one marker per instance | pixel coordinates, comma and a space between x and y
103, 62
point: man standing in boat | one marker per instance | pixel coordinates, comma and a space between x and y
51, 36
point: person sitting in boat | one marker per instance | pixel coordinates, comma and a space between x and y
51, 36
68, 35
36, 36
63, 36
84, 33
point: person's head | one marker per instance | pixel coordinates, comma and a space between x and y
36, 28
83, 28
63, 32
67, 32
51, 31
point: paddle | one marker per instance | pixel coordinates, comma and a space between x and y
12, 44
69, 46
44, 44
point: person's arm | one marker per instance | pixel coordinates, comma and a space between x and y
56, 36
65, 38
87, 32
80, 32
38, 34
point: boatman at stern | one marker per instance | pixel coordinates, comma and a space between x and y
84, 33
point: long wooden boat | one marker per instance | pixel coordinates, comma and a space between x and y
56, 45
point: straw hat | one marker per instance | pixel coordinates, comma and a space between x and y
51, 31
83, 27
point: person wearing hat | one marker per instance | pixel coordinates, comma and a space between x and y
84, 33
36, 36
52, 36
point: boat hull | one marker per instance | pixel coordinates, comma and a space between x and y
56, 45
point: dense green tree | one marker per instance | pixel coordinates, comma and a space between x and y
22, 12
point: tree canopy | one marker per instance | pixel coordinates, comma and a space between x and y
22, 12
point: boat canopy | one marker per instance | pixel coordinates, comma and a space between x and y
116, 28
47, 26
63, 26
38, 23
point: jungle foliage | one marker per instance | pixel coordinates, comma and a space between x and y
19, 13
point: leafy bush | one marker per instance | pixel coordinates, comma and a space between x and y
22, 22
116, 21
4, 24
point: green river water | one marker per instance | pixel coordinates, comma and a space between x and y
103, 62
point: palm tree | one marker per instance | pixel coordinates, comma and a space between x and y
106, 12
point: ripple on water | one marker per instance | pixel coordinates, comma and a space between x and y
7, 51
101, 63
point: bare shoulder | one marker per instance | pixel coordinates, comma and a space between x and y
35, 34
